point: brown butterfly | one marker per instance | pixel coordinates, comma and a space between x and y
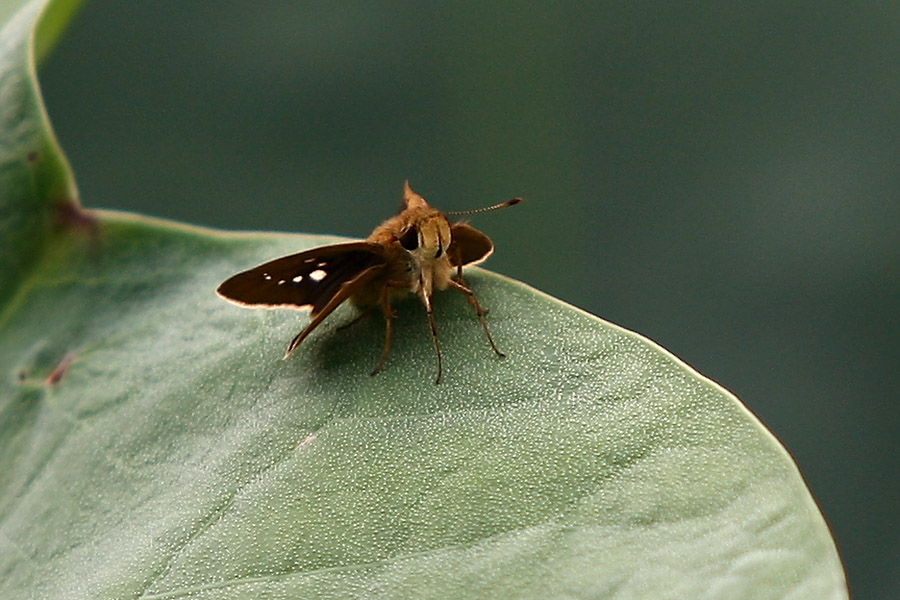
417, 251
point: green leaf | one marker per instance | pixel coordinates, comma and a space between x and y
154, 445
36, 184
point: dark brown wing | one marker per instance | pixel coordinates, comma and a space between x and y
344, 292
305, 280
468, 246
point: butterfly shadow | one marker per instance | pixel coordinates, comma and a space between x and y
350, 343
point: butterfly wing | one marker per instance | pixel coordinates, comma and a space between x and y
308, 279
468, 246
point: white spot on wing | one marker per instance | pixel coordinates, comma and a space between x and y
282, 282
297, 279
267, 277
318, 275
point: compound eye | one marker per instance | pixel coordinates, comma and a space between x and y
410, 238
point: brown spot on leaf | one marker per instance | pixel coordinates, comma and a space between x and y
62, 367
71, 215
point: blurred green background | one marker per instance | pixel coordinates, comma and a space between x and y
721, 177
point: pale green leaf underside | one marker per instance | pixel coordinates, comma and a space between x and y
153, 444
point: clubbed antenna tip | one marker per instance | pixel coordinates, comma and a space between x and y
512, 202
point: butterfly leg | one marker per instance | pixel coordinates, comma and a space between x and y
479, 310
472, 300
434, 338
389, 315
342, 294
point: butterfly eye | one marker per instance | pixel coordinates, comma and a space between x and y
410, 239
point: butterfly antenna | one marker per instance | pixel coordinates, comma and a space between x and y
512, 202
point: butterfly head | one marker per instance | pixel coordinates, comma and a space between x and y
426, 238
421, 235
